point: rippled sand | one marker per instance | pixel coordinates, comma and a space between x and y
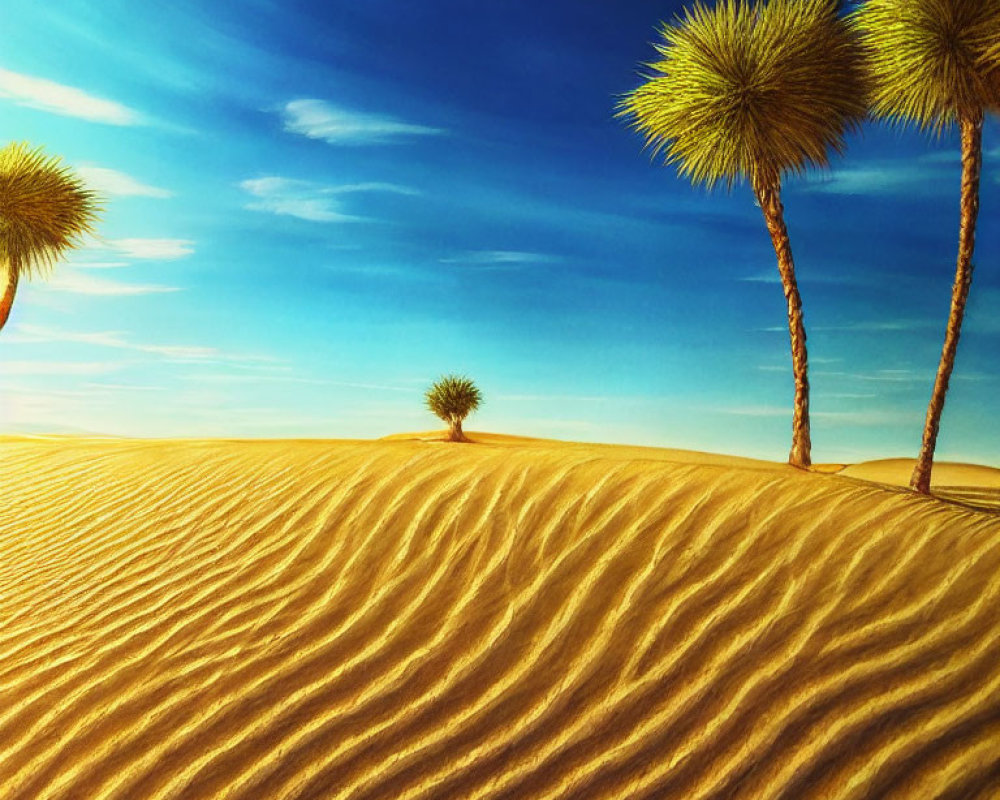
510, 619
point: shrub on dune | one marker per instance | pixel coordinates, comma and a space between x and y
453, 398
754, 92
45, 211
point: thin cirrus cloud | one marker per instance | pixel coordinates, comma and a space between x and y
335, 125
499, 259
771, 276
313, 202
870, 326
926, 178
38, 334
184, 353
112, 182
76, 282
153, 249
56, 98
865, 417
110, 253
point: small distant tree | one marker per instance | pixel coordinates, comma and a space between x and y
453, 398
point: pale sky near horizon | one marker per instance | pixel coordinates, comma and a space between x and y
313, 209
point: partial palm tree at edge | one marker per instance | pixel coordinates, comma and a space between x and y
44, 211
937, 63
755, 91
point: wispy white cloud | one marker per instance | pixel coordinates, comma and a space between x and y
500, 259
975, 377
867, 326
828, 276
153, 249
70, 280
57, 98
894, 178
885, 326
112, 182
85, 264
291, 198
264, 367
880, 417
813, 360
318, 119
310, 201
859, 417
114, 339
373, 186
888, 376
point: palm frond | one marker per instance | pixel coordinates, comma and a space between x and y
931, 62
44, 209
750, 90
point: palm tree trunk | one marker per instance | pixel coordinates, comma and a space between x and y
769, 197
7, 301
455, 434
972, 165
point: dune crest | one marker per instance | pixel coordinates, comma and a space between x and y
530, 619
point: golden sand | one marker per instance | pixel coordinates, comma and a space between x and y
510, 619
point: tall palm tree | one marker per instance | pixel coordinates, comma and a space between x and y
44, 212
754, 92
937, 63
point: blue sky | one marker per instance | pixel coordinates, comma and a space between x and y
313, 209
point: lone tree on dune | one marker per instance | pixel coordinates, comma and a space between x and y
453, 398
752, 92
937, 63
44, 212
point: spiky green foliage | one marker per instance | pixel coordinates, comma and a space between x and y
750, 90
453, 398
45, 210
931, 62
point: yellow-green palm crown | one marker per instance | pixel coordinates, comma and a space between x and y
44, 209
453, 397
931, 62
752, 91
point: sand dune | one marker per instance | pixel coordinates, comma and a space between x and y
512, 619
969, 484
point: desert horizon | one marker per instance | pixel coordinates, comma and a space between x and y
500, 401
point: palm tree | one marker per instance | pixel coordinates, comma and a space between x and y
453, 398
44, 211
753, 92
930, 62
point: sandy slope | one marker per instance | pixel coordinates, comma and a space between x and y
515, 619
969, 484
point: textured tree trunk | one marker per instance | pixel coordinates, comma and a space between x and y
455, 433
972, 165
769, 197
10, 289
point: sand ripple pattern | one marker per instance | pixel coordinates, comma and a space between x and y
411, 620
